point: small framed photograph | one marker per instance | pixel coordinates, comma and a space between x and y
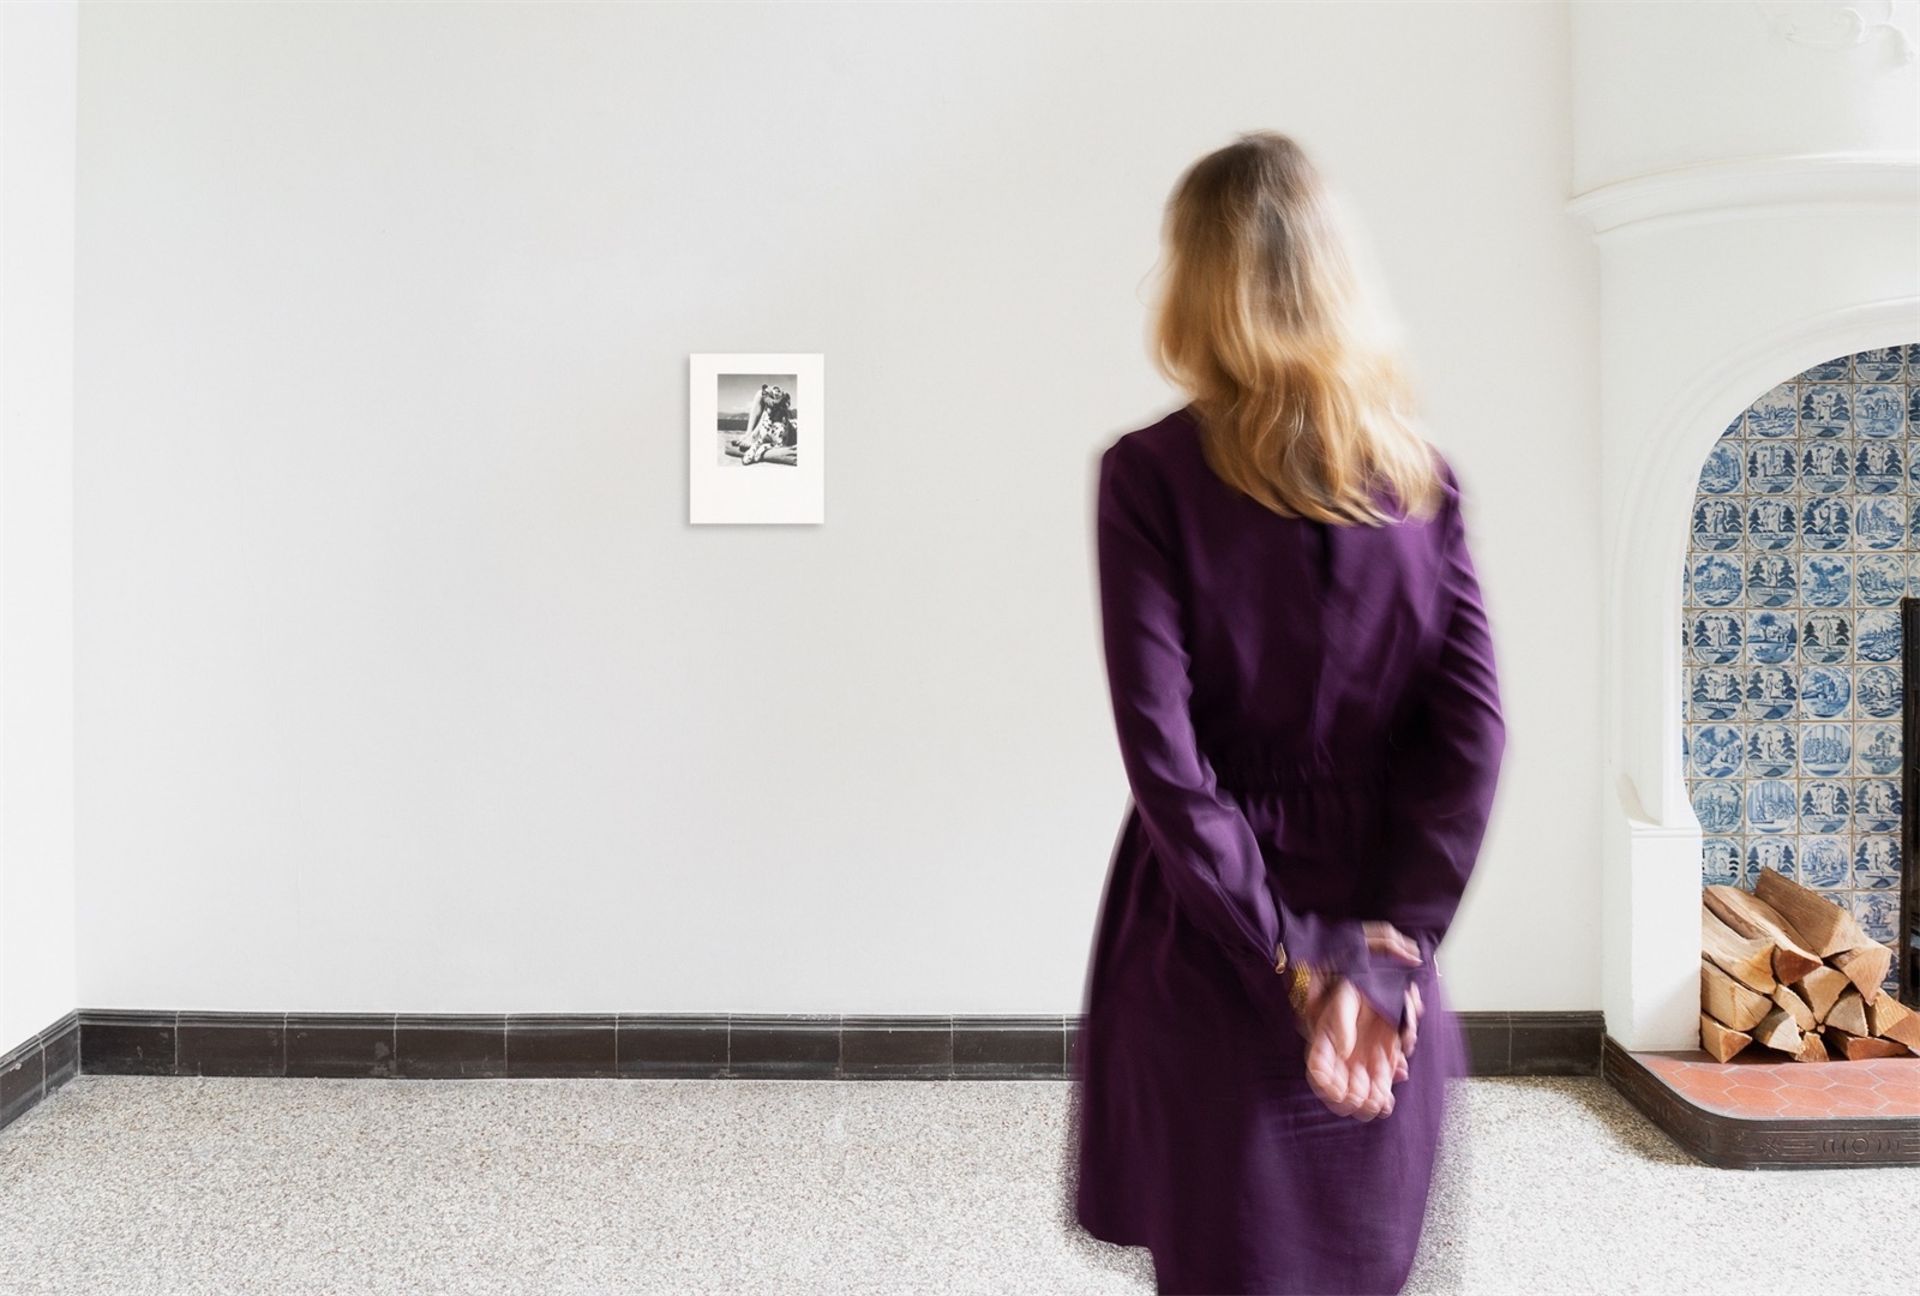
756, 447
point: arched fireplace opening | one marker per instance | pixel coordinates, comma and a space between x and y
1800, 607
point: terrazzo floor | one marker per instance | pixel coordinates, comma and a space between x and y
133, 1185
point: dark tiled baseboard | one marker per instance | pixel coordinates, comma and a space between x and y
1772, 1143
1532, 1043
36, 1067
667, 1046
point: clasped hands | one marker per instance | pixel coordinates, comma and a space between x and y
1354, 1055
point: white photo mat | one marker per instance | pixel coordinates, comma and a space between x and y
720, 489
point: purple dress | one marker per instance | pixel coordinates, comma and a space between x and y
1310, 725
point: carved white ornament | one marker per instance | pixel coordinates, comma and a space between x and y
1843, 26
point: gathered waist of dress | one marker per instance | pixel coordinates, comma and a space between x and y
1263, 769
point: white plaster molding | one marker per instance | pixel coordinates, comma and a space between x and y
1715, 190
1841, 26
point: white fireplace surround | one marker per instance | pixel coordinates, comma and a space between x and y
1753, 190
1717, 282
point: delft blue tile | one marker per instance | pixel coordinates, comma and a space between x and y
1823, 862
1877, 749
1880, 579
1826, 410
1720, 861
1913, 410
1876, 806
1772, 750
1835, 370
1826, 580
1717, 581
1736, 428
1876, 862
1771, 580
1716, 638
1826, 636
1825, 467
1776, 853
1771, 637
1718, 524
1772, 692
1825, 749
1879, 636
1878, 468
1878, 912
1724, 471
1880, 411
1716, 693
1876, 691
1877, 365
1715, 751
1772, 806
1880, 523
1826, 524
1772, 522
1773, 468
1825, 693
1825, 806
1776, 413
1718, 806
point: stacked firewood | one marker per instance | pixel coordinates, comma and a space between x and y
1783, 967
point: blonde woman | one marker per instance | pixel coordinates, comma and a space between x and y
1303, 688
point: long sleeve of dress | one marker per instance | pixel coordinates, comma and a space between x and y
1444, 767
1201, 838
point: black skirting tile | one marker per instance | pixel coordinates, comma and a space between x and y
127, 1043
986, 1048
450, 1047
1556, 1043
23, 1075
63, 1053
900, 1048
231, 1044
671, 1045
797, 1047
1489, 1037
561, 1045
341, 1044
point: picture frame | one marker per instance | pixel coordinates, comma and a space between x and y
756, 437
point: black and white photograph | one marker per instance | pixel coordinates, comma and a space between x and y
755, 437
757, 419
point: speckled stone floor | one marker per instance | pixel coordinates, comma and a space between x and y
130, 1185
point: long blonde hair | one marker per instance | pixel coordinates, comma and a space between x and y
1263, 322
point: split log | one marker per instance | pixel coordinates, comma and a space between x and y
1823, 926
1858, 1048
1747, 959
1796, 1007
1811, 1049
1720, 1041
1850, 1014
1888, 1018
1753, 917
1821, 987
1866, 967
1729, 1002
1777, 1031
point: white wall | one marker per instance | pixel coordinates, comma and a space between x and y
403, 682
37, 87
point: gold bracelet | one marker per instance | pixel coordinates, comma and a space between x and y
1298, 988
